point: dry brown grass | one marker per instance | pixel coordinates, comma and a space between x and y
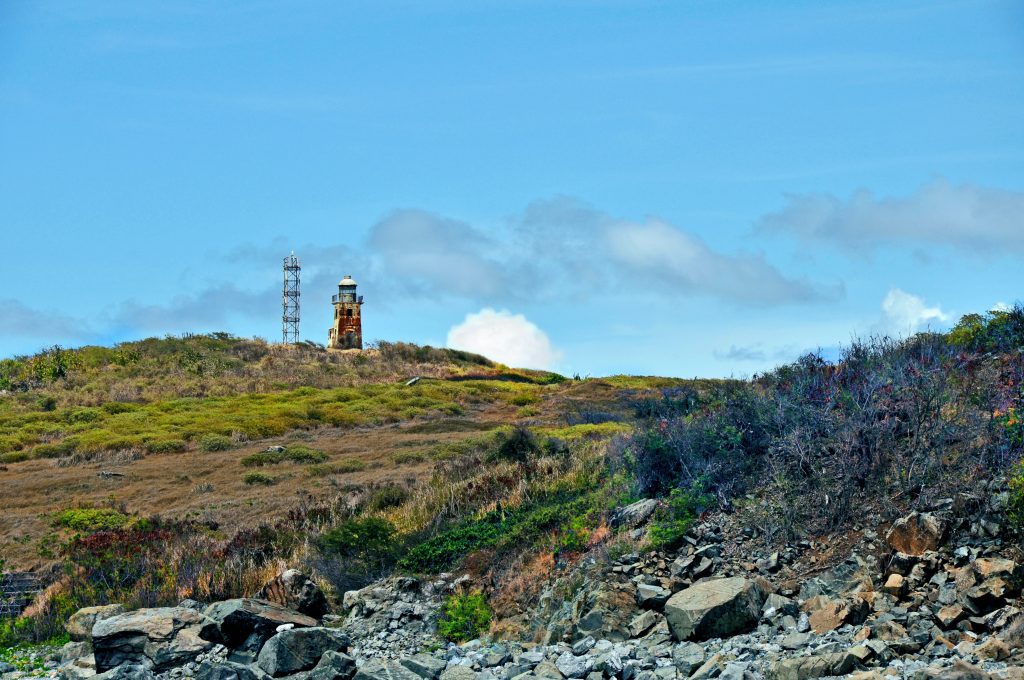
167, 484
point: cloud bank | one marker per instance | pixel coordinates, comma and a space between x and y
504, 337
971, 218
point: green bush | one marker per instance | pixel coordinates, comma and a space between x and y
384, 498
295, 453
55, 450
517, 444
92, 519
339, 468
674, 519
1015, 502
166, 446
214, 442
464, 617
258, 479
356, 551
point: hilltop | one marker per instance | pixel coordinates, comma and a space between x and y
201, 467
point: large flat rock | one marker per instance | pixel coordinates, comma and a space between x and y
159, 638
715, 607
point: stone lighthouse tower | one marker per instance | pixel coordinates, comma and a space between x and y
347, 330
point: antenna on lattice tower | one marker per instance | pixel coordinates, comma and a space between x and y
290, 301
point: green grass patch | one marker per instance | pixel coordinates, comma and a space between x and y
502, 529
214, 442
258, 479
293, 453
341, 467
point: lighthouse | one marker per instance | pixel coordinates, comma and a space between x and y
347, 330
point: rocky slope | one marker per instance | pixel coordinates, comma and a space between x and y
934, 594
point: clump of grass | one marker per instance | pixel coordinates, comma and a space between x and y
167, 446
340, 468
258, 479
524, 399
387, 497
408, 457
293, 453
214, 442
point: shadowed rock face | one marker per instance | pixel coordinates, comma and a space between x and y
245, 624
714, 608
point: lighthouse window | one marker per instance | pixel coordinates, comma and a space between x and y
348, 312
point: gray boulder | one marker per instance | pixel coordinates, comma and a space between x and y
424, 665
688, 657
572, 666
634, 514
459, 673
652, 597
377, 669
716, 607
816, 666
334, 666
299, 649
127, 671
245, 624
228, 670
159, 638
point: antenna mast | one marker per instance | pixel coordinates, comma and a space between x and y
290, 301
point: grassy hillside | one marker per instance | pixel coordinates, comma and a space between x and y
506, 474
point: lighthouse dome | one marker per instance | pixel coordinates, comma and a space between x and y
347, 281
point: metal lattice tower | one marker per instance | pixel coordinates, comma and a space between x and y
290, 301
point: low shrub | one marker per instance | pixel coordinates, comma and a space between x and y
214, 442
524, 399
464, 617
518, 445
258, 479
92, 519
674, 519
55, 450
356, 551
340, 468
167, 446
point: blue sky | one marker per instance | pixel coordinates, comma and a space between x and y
683, 188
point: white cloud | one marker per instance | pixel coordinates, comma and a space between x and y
973, 218
680, 261
505, 337
563, 249
905, 314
